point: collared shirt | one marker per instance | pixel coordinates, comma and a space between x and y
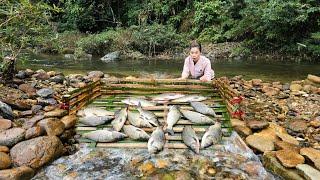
201, 69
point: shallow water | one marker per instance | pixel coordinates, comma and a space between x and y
231, 159
264, 69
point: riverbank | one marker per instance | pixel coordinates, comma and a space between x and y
278, 117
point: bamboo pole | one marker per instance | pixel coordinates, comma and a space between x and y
159, 81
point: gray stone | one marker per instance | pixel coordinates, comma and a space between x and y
6, 111
45, 92
11, 136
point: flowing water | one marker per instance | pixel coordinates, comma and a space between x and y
262, 69
231, 159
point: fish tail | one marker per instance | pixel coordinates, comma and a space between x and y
170, 131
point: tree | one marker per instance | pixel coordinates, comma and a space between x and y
22, 24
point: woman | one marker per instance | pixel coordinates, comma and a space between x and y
196, 65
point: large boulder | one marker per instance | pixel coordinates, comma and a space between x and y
6, 111
111, 56
36, 152
11, 136
18, 173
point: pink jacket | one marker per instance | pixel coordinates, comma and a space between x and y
201, 69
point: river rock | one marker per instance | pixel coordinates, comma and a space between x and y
147, 168
312, 154
25, 113
315, 122
260, 143
297, 125
19, 173
51, 73
270, 91
6, 111
57, 79
53, 127
56, 113
256, 82
279, 145
45, 102
36, 108
257, 124
5, 160
270, 132
33, 132
41, 76
111, 56
31, 122
21, 75
45, 92
243, 130
289, 158
237, 122
95, 74
287, 138
28, 89
295, 87
5, 124
69, 121
313, 78
36, 152
11, 136
4, 149
273, 164
308, 172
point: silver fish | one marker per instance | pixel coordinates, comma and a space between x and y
189, 98
156, 141
212, 136
172, 118
120, 118
93, 120
135, 133
135, 119
203, 108
104, 135
196, 117
97, 112
167, 96
148, 116
190, 139
135, 102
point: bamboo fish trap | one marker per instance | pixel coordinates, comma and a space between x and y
108, 95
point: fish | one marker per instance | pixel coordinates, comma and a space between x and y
167, 96
97, 112
135, 133
190, 139
120, 118
212, 136
148, 116
172, 118
93, 120
156, 141
135, 102
135, 119
202, 108
104, 135
196, 117
189, 98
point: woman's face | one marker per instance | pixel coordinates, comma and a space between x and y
195, 53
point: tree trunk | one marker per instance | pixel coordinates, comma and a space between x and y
8, 69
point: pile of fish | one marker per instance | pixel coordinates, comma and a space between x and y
131, 124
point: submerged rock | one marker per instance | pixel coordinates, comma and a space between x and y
111, 56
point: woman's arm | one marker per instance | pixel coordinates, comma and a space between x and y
186, 70
207, 75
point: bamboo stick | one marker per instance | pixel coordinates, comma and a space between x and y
159, 81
